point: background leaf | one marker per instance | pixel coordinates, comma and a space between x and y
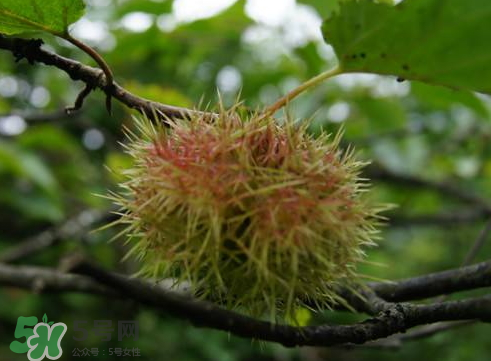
53, 16
444, 42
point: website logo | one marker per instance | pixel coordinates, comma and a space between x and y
41, 341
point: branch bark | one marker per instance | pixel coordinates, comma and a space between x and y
435, 284
32, 51
391, 318
43, 279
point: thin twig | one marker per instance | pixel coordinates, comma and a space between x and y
94, 55
79, 102
397, 341
444, 219
43, 279
430, 330
280, 103
41, 117
69, 228
477, 245
445, 188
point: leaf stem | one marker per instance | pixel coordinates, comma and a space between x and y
280, 103
94, 55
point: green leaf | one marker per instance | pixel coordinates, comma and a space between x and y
52, 16
437, 97
442, 42
45, 318
149, 7
25, 165
33, 206
323, 7
383, 114
157, 92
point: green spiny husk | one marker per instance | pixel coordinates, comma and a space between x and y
257, 216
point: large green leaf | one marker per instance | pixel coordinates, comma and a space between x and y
52, 16
444, 42
26, 166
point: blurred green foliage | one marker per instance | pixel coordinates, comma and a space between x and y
53, 168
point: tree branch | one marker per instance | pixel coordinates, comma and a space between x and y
39, 118
425, 331
445, 188
435, 284
462, 216
391, 318
92, 77
43, 279
50, 237
478, 244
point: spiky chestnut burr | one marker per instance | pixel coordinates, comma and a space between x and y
255, 215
